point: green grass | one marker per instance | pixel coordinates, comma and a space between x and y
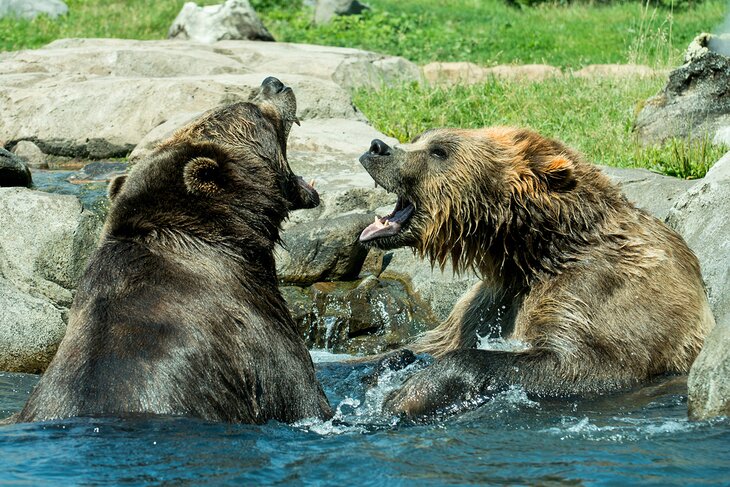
486, 32
127, 19
489, 32
593, 115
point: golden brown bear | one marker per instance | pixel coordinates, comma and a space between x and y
179, 310
603, 295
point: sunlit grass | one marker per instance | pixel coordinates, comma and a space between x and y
595, 116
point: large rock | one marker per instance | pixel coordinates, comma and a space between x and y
46, 240
709, 379
118, 91
326, 10
13, 171
700, 216
322, 250
648, 190
29, 153
233, 20
30, 9
696, 100
441, 289
30, 330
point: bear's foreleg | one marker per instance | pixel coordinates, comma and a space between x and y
464, 379
485, 310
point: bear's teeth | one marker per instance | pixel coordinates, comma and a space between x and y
311, 183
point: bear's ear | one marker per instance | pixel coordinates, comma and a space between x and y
202, 175
558, 173
115, 186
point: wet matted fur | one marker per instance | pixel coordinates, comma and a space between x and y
179, 311
603, 295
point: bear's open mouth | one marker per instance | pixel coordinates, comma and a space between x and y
391, 224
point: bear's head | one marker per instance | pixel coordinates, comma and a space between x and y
476, 196
223, 170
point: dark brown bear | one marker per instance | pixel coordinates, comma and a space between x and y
179, 311
603, 295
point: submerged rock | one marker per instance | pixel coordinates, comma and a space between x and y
696, 99
363, 317
13, 171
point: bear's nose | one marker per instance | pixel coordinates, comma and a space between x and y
379, 148
272, 85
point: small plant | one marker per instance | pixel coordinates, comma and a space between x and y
686, 158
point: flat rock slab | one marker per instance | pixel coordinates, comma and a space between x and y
119, 91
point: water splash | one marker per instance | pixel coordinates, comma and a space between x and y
621, 429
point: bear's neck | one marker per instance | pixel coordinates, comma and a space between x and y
534, 240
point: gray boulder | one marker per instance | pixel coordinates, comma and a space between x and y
655, 193
326, 10
30, 330
45, 241
709, 379
441, 289
233, 20
30, 9
696, 100
30, 154
700, 216
13, 171
322, 250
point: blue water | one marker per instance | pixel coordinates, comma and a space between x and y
640, 438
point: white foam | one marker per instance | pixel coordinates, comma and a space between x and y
622, 429
501, 344
320, 356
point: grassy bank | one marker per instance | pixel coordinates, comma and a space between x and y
127, 19
595, 116
486, 32
491, 32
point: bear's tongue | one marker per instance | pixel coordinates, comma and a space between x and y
388, 225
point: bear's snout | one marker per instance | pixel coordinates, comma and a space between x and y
379, 148
272, 85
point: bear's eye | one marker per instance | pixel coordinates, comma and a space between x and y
438, 153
